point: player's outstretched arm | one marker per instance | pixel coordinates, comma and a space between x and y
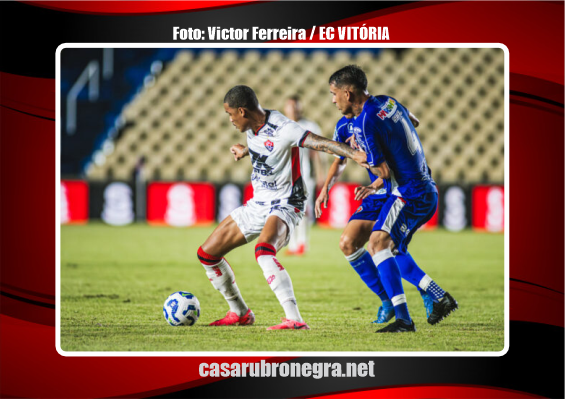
239, 151
336, 169
319, 143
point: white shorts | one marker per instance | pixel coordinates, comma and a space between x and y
251, 218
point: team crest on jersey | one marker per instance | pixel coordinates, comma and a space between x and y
388, 109
269, 145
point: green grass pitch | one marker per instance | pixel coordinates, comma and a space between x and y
114, 281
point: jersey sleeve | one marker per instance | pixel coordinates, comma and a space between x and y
340, 135
368, 140
294, 135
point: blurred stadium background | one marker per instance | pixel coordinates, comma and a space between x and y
144, 136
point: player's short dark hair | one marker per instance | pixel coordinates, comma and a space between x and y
241, 96
351, 75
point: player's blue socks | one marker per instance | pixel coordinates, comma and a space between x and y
409, 270
362, 263
392, 281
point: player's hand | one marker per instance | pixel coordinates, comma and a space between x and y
322, 199
239, 151
363, 192
361, 158
352, 142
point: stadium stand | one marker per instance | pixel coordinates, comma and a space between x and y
177, 121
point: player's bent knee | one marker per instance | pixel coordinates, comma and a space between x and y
379, 241
347, 245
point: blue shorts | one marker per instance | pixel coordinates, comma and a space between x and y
401, 217
369, 208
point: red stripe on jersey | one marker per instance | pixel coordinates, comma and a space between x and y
261, 127
296, 170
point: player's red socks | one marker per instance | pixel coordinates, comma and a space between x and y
207, 259
264, 249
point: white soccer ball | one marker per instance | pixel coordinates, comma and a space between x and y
181, 309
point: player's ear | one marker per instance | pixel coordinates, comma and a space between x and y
242, 111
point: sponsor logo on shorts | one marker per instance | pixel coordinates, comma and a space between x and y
359, 209
404, 229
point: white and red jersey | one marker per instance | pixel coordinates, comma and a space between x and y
277, 176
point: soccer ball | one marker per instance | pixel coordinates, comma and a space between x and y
181, 309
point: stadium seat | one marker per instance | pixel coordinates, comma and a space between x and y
179, 125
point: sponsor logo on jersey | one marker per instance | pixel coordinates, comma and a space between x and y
356, 132
387, 110
269, 132
269, 145
381, 191
396, 117
259, 163
267, 185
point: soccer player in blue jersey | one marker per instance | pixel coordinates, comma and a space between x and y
383, 129
359, 228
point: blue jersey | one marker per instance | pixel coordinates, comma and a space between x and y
385, 132
344, 130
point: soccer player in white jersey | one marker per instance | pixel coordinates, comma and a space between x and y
276, 208
313, 166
